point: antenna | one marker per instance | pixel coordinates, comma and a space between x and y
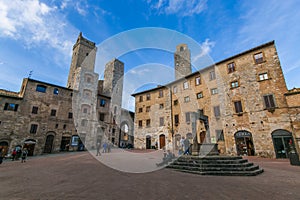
30, 73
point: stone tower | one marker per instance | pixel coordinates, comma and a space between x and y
82, 50
113, 87
182, 61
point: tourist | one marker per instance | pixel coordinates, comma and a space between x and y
186, 147
13, 155
98, 149
24, 155
104, 147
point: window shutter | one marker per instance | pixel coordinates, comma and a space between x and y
5, 106
266, 99
272, 103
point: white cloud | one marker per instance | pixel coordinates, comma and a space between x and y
178, 7
35, 23
206, 47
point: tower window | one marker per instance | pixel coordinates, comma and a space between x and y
140, 110
148, 97
33, 128
161, 106
140, 123
161, 93
198, 80
148, 109
176, 120
181, 48
11, 106
199, 95
212, 75
231, 67
161, 121
258, 58
186, 99
41, 88
34, 110
269, 101
141, 98
263, 76
55, 91
148, 122
234, 84
238, 107
214, 91
53, 112
70, 115
175, 102
187, 117
185, 85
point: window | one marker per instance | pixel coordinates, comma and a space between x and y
176, 120
214, 91
220, 135
238, 107
198, 80
186, 99
148, 109
160, 93
258, 58
65, 126
234, 84
212, 75
101, 117
187, 117
33, 128
161, 106
53, 112
175, 89
217, 111
148, 122
141, 98
161, 121
11, 106
34, 110
269, 101
140, 110
185, 85
70, 115
75, 140
231, 67
175, 102
56, 125
102, 102
55, 91
140, 123
263, 76
41, 88
148, 97
115, 110
199, 95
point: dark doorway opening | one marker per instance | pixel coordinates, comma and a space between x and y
49, 144
148, 142
281, 140
244, 143
162, 141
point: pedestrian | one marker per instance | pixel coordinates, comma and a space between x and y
104, 147
98, 149
109, 147
24, 155
13, 154
186, 146
181, 146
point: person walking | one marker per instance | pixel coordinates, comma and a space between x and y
13, 154
24, 155
104, 147
98, 149
186, 147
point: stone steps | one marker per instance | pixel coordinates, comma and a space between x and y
216, 165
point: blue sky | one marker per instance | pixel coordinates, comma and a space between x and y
37, 35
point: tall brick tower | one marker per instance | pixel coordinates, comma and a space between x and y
113, 87
182, 61
82, 49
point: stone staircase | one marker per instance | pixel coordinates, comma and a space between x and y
216, 165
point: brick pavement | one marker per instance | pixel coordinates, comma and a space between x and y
81, 176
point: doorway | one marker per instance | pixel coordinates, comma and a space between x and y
65, 143
162, 141
29, 145
244, 143
148, 142
49, 144
281, 140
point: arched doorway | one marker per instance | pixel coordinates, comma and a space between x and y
29, 144
281, 139
49, 144
3, 147
162, 141
148, 142
244, 143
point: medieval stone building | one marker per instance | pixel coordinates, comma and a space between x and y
249, 108
47, 118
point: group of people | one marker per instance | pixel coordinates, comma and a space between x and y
16, 154
106, 148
